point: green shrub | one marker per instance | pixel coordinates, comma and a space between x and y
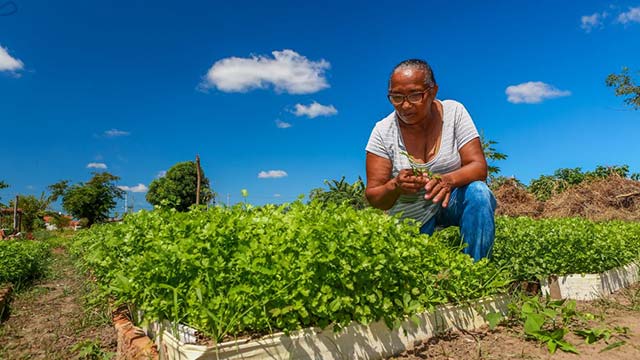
22, 261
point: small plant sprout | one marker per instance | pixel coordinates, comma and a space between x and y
419, 169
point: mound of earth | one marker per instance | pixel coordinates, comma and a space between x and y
514, 200
612, 198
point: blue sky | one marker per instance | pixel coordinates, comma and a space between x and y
278, 96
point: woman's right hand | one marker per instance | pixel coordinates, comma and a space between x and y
408, 183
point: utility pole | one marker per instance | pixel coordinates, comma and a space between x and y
198, 181
125, 201
15, 215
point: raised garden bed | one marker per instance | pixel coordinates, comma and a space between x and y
590, 286
356, 341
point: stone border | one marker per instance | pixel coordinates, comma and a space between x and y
5, 298
590, 286
356, 341
133, 342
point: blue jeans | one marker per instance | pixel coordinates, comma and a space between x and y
471, 207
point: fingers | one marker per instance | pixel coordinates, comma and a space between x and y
410, 183
445, 203
437, 191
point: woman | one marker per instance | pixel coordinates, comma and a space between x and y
441, 137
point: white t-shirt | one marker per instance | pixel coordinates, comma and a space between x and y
386, 141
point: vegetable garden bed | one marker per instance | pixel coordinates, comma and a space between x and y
356, 341
282, 273
22, 261
591, 286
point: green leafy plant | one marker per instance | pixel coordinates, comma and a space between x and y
340, 191
549, 321
91, 350
236, 270
22, 261
534, 249
419, 169
492, 156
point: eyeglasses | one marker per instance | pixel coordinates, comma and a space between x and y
413, 98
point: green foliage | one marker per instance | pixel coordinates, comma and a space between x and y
547, 186
58, 189
548, 321
229, 271
341, 191
91, 350
177, 189
533, 249
22, 261
492, 155
33, 209
93, 200
3, 185
625, 87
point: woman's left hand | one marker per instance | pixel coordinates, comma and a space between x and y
438, 190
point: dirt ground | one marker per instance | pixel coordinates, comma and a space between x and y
620, 309
50, 319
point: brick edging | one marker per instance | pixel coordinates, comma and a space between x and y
5, 297
133, 343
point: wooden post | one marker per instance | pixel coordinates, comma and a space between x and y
199, 180
15, 215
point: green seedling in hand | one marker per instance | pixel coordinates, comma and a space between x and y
419, 169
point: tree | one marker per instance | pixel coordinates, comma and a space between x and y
3, 185
625, 86
93, 200
33, 210
177, 189
341, 191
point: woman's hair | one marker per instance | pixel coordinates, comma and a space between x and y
417, 64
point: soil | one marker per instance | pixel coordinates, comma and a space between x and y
50, 320
621, 309
608, 199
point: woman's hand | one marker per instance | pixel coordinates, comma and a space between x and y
408, 183
438, 190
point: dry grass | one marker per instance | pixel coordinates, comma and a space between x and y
613, 198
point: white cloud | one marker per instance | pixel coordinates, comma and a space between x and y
633, 15
314, 110
136, 189
282, 125
9, 63
94, 165
161, 173
287, 71
277, 195
272, 174
533, 92
589, 22
116, 132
